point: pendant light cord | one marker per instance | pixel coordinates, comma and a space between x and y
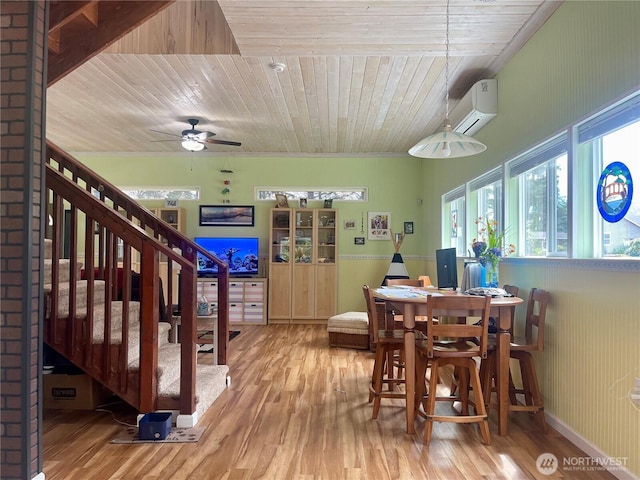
446, 70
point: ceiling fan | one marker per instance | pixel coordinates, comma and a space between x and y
194, 140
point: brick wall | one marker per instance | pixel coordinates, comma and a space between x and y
22, 95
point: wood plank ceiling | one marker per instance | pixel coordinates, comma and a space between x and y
361, 77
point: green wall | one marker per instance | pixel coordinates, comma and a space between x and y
586, 56
393, 183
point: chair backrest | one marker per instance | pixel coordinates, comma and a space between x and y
426, 280
458, 306
405, 281
512, 290
372, 313
536, 313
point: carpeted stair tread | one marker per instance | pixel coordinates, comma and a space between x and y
211, 381
63, 270
81, 297
168, 364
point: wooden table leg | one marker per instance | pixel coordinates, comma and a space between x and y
409, 322
502, 368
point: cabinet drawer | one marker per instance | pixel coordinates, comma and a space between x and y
209, 290
236, 291
253, 312
235, 312
254, 292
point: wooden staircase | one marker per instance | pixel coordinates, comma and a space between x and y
90, 316
91, 319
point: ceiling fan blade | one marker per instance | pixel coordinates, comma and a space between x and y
204, 135
165, 133
223, 142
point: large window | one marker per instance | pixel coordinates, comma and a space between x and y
540, 180
613, 137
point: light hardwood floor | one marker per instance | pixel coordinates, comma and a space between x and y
298, 409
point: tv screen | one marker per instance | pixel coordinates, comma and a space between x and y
446, 268
240, 253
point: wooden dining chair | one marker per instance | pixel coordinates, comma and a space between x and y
386, 343
459, 351
521, 349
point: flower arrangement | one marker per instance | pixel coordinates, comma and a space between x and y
490, 248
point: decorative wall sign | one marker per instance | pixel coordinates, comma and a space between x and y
615, 192
379, 225
171, 203
226, 216
358, 240
349, 224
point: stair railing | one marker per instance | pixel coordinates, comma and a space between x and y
148, 237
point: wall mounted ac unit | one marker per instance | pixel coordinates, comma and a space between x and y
476, 108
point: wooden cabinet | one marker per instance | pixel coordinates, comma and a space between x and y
246, 299
303, 270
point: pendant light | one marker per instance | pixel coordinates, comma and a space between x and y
447, 143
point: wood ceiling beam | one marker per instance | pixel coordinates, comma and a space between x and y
90, 27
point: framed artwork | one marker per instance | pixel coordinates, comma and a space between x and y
227, 215
408, 228
328, 203
379, 225
303, 203
349, 224
281, 201
358, 240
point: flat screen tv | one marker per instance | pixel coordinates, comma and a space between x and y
240, 253
446, 268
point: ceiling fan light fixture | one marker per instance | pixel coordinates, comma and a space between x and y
447, 143
192, 145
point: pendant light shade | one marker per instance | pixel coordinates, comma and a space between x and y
447, 143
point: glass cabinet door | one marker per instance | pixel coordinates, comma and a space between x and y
327, 224
303, 252
281, 235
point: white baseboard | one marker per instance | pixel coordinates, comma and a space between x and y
39, 476
621, 472
187, 421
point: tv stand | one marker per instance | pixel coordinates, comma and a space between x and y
247, 298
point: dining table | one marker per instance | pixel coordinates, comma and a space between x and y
412, 302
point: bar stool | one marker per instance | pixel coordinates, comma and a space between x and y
521, 349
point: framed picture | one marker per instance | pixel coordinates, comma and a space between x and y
328, 203
358, 240
303, 203
349, 224
379, 225
281, 201
408, 228
227, 215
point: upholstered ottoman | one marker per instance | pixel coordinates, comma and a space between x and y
350, 330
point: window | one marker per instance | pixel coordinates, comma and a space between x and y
453, 231
610, 137
162, 193
540, 179
357, 194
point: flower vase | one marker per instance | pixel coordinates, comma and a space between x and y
492, 273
